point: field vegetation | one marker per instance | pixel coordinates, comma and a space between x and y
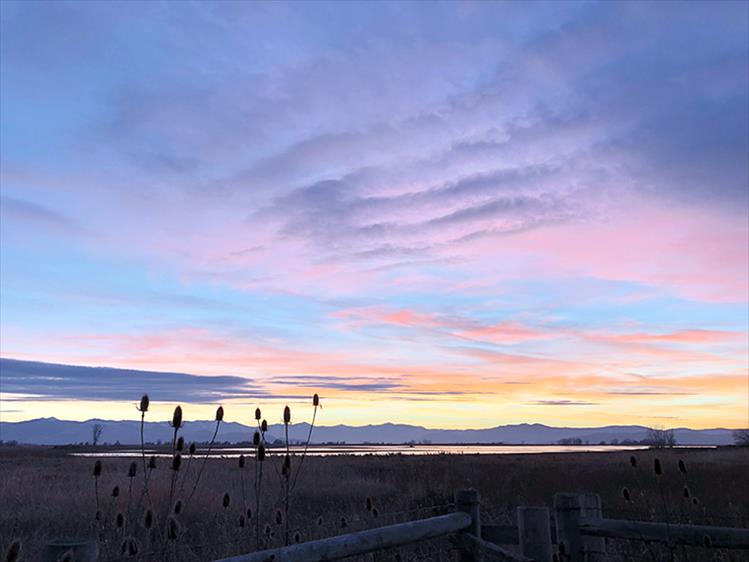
46, 493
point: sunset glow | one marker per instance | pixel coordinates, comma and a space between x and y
456, 215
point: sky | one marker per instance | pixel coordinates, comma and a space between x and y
457, 214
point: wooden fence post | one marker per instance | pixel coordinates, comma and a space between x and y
567, 514
591, 507
534, 533
467, 501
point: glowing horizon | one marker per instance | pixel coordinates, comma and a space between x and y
450, 215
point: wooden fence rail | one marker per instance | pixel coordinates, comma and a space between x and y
362, 542
464, 526
683, 535
578, 534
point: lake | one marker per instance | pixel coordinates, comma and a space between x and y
359, 450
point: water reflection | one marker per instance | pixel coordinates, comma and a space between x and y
359, 450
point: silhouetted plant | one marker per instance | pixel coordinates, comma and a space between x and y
219, 419
13, 554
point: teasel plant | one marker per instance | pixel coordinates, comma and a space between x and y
686, 490
191, 450
241, 462
143, 408
289, 479
131, 473
13, 554
176, 456
219, 418
315, 406
97, 474
286, 473
258, 443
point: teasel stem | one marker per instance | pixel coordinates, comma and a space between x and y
143, 408
97, 474
316, 404
191, 450
259, 459
131, 476
176, 464
219, 419
286, 473
241, 463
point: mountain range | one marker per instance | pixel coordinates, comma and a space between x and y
52, 431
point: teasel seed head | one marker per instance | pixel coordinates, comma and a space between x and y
132, 470
695, 501
129, 546
315, 400
193, 448
319, 521
219, 413
264, 426
657, 468
176, 462
687, 494
97, 515
144, 402
682, 467
279, 517
177, 417
297, 537
14, 551
562, 550
375, 513
343, 523
120, 521
258, 415
97, 469
67, 556
172, 528
241, 521
286, 415
148, 519
368, 504
241, 461
226, 501
267, 529
708, 541
152, 462
115, 491
256, 438
249, 514
180, 443
633, 461
178, 507
625, 493
261, 452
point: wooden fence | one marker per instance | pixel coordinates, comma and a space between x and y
578, 534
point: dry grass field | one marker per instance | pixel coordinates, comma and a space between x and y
45, 493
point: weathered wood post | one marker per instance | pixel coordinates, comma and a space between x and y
567, 514
594, 547
82, 550
467, 501
534, 533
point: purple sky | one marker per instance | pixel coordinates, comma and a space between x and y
454, 214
